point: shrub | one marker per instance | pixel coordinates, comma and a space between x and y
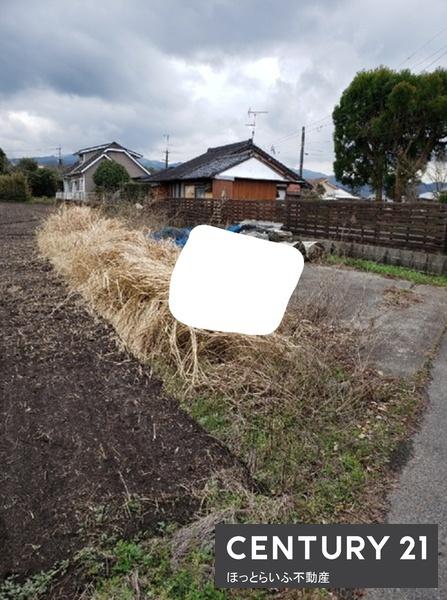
43, 182
110, 175
27, 165
4, 163
14, 188
443, 197
136, 192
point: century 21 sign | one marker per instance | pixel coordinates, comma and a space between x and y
278, 556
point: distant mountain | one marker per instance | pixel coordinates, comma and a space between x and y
50, 161
308, 174
71, 159
157, 165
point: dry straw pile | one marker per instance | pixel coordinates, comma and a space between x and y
284, 403
312, 425
124, 276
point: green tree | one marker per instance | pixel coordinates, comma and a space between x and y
14, 188
4, 163
27, 165
388, 125
43, 182
110, 175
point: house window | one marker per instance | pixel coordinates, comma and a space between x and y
177, 190
280, 192
202, 190
189, 191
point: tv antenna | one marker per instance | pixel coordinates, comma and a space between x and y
253, 114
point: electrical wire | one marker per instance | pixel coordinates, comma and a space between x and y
421, 62
422, 47
433, 61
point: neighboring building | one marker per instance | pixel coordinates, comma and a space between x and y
78, 182
433, 195
330, 191
426, 196
241, 171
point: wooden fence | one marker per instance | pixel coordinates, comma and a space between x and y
195, 211
414, 226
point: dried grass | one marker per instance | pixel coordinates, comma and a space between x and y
124, 276
311, 423
297, 407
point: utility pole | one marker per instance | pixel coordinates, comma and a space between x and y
59, 155
167, 150
254, 113
303, 137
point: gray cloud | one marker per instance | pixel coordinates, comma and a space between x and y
78, 73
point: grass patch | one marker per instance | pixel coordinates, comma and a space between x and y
144, 569
392, 271
49, 200
35, 587
313, 426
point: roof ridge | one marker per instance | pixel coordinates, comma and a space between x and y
232, 146
106, 146
218, 159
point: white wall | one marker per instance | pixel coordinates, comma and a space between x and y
252, 168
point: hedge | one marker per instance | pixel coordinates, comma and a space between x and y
14, 188
134, 191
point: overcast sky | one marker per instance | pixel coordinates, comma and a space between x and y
81, 73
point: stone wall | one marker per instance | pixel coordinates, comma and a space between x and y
422, 261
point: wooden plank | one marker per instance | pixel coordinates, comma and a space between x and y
412, 225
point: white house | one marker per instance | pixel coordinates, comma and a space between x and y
330, 191
78, 183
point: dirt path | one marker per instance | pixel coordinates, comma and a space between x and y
88, 443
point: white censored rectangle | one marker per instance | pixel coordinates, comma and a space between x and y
225, 281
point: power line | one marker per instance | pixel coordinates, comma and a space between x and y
318, 120
421, 62
319, 127
433, 61
313, 141
318, 151
297, 133
47, 149
422, 47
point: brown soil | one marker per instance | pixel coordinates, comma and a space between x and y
88, 441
